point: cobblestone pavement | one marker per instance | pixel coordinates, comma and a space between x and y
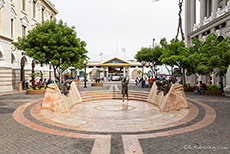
191, 137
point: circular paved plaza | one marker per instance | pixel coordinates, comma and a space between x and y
113, 126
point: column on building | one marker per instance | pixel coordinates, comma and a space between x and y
193, 12
190, 18
214, 7
202, 10
204, 79
188, 26
123, 71
129, 76
227, 88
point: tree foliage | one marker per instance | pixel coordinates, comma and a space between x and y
214, 56
150, 56
175, 54
55, 43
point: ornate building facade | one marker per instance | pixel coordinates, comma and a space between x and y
214, 17
16, 18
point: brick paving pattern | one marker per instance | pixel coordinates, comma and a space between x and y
207, 132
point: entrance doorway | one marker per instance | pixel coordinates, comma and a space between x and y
115, 73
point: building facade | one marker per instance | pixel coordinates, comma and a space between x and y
114, 70
214, 17
16, 18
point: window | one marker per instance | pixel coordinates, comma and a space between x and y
12, 28
43, 14
208, 8
133, 66
12, 58
91, 66
34, 8
24, 5
23, 30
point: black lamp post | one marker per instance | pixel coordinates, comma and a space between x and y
85, 72
142, 82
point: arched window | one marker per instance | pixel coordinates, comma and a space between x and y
25, 23
13, 59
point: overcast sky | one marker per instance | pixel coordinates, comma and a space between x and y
109, 25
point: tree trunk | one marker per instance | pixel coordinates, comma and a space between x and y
209, 79
154, 71
183, 75
55, 77
50, 71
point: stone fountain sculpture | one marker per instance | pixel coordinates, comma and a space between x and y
167, 95
56, 101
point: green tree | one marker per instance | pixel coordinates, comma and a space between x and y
175, 54
54, 43
214, 57
99, 71
150, 56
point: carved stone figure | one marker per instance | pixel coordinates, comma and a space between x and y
164, 85
124, 85
64, 87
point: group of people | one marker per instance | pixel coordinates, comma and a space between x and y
201, 87
39, 84
147, 82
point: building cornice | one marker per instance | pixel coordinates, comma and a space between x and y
210, 25
51, 6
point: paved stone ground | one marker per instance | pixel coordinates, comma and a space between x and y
19, 139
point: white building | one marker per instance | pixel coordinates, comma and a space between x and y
114, 69
16, 18
214, 18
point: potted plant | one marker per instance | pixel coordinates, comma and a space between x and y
35, 88
213, 90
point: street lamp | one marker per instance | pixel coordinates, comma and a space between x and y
85, 62
142, 82
153, 42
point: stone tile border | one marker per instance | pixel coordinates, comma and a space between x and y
102, 143
19, 117
213, 100
35, 112
208, 119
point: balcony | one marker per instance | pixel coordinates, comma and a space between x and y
221, 12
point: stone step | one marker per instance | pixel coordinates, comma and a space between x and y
103, 95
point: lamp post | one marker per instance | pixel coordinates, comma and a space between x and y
142, 82
153, 42
85, 72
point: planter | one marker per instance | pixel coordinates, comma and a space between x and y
97, 84
35, 92
213, 92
